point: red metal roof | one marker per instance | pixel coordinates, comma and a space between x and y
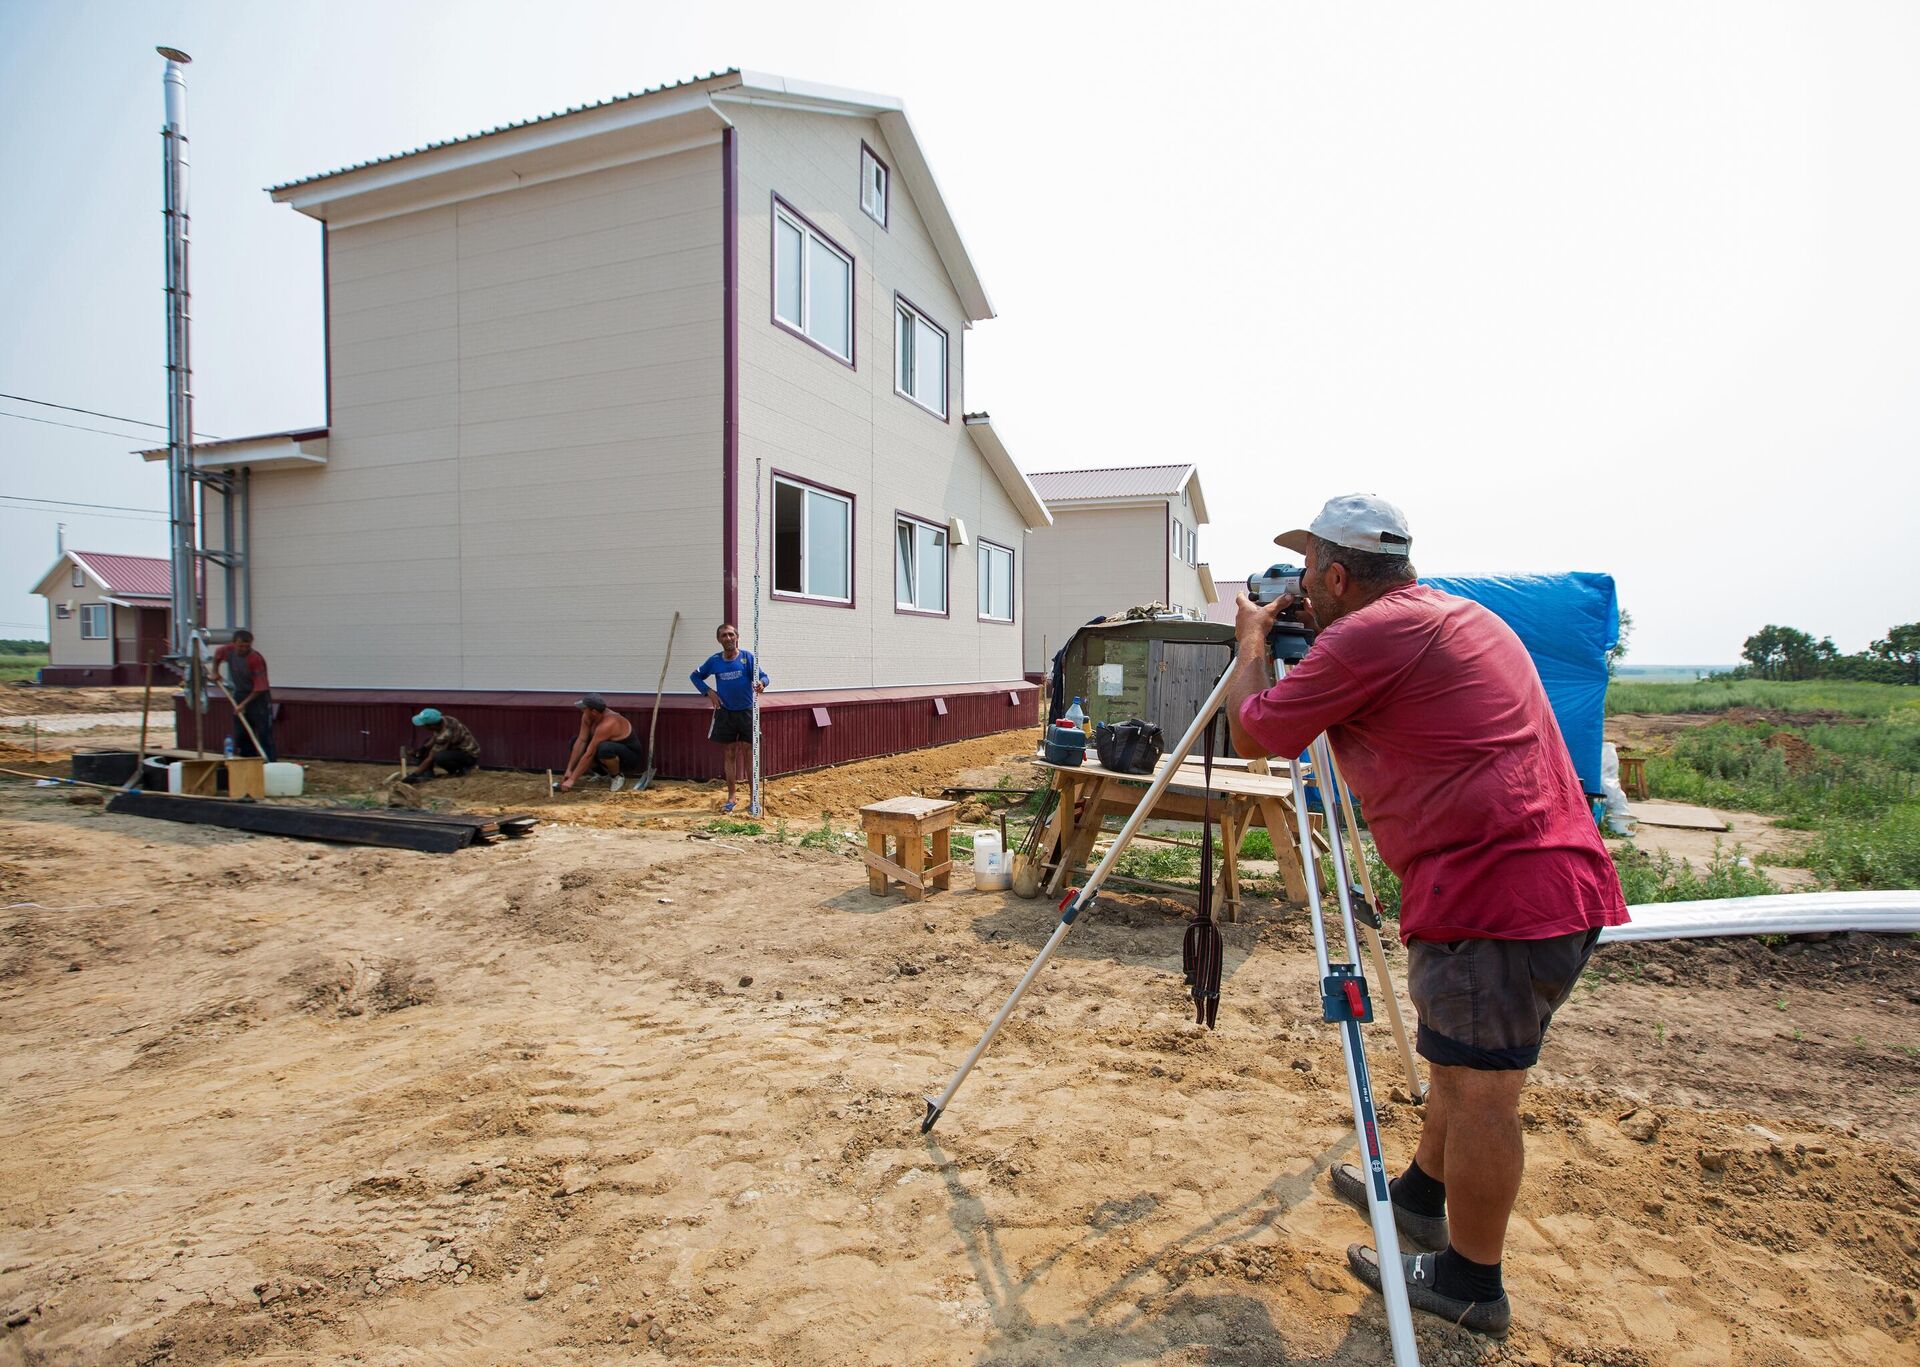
132, 576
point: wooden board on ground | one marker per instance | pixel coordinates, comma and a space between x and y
1677, 815
305, 823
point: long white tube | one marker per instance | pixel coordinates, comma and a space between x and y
1887, 912
177, 223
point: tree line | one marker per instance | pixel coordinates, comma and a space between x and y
1776, 652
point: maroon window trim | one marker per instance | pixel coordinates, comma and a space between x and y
886, 202
900, 514
1013, 601
946, 360
853, 543
851, 360
730, 378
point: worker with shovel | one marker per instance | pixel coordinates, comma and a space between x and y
1438, 719
737, 678
247, 685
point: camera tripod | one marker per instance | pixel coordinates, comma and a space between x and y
1343, 986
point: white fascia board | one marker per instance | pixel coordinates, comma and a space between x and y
909, 165
1194, 496
45, 587
592, 139
1026, 500
1074, 505
264, 453
1207, 587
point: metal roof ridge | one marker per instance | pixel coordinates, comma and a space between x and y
504, 128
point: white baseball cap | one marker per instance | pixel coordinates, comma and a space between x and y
1360, 522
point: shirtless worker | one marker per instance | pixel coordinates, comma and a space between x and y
606, 744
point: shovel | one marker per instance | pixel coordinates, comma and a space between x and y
653, 727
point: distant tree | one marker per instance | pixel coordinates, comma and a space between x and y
1619, 651
1902, 645
15, 647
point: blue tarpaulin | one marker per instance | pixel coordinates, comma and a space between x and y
1568, 623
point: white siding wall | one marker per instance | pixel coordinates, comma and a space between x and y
807, 414
64, 644
1183, 580
1091, 562
523, 477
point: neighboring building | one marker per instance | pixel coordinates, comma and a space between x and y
1120, 537
107, 616
1223, 606
649, 355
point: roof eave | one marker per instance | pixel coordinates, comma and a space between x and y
1194, 496
1026, 500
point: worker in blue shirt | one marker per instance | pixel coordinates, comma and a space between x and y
736, 676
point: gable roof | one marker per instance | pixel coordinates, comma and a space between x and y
127, 576
1122, 482
610, 132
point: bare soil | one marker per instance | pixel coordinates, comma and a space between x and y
613, 1095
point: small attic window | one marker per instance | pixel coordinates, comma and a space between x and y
873, 185
79, 578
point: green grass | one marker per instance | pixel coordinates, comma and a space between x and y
728, 826
1661, 877
1873, 852
1810, 695
20, 668
822, 838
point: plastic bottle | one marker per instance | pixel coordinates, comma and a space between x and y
1077, 716
229, 747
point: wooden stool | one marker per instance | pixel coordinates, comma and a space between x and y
1633, 777
909, 820
246, 776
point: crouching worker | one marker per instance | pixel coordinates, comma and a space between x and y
1439, 722
606, 744
451, 749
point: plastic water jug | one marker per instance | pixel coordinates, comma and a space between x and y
284, 779
1076, 715
990, 871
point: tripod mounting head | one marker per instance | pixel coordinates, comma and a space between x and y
1288, 642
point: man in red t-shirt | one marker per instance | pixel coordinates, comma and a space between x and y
246, 681
1439, 723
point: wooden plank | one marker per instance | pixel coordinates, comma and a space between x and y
304, 823
1677, 816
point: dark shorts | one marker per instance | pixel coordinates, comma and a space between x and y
452, 762
632, 758
730, 727
1486, 1003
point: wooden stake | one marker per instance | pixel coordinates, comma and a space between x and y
138, 780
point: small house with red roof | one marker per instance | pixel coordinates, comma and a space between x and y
107, 616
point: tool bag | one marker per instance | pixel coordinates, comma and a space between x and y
1129, 747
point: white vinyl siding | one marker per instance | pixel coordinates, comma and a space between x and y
996, 583
873, 187
812, 284
920, 565
94, 622
919, 358
812, 542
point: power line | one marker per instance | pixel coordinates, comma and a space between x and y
124, 436
66, 503
95, 413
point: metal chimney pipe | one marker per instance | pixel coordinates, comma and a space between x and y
185, 555
59, 540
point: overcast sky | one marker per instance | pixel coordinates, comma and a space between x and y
1632, 288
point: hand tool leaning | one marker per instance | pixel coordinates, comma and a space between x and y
1343, 987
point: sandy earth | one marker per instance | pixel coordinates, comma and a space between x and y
614, 1095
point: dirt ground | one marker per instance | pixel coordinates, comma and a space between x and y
610, 1094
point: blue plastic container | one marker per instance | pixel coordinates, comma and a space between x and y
1066, 745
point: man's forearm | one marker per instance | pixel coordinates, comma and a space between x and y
1249, 677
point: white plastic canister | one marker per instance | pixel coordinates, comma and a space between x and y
990, 872
283, 779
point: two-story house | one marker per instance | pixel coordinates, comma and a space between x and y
699, 349
1121, 537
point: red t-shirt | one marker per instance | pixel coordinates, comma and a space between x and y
1439, 723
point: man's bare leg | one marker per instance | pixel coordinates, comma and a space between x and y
1472, 1141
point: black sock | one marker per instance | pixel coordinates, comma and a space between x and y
1413, 1190
1465, 1280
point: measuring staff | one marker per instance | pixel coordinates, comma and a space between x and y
1440, 724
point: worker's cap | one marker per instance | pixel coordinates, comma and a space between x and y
593, 702
1360, 522
427, 716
